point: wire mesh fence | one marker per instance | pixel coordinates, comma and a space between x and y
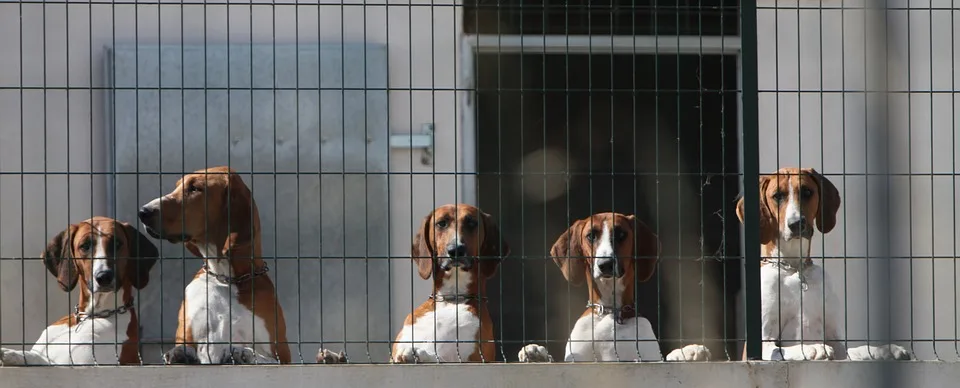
262, 182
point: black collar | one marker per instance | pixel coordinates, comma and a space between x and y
239, 279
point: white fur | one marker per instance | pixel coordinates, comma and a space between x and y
220, 325
91, 342
604, 250
99, 262
448, 323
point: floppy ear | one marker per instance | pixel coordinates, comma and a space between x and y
568, 254
143, 255
646, 249
829, 201
58, 258
768, 223
241, 210
422, 250
493, 249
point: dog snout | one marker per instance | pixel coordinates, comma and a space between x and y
799, 226
457, 251
608, 267
147, 214
104, 278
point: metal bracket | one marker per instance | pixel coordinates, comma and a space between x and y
424, 140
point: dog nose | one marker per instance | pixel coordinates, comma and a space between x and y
606, 266
104, 278
797, 226
146, 213
458, 250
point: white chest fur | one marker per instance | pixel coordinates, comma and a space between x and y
93, 341
601, 338
793, 305
452, 324
219, 322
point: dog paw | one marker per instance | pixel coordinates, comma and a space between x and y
690, 353
814, 352
239, 356
325, 356
413, 355
885, 352
534, 353
11, 358
181, 355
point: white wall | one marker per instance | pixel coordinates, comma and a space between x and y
53, 46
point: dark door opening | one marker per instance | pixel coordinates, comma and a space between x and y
561, 137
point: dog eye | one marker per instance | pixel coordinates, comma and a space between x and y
85, 247
193, 188
806, 193
620, 235
470, 223
442, 224
778, 196
591, 236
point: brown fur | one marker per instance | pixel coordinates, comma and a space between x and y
66, 260
638, 251
480, 235
215, 206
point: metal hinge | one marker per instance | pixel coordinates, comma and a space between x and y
424, 140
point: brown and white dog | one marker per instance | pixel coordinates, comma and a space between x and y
230, 312
613, 253
108, 259
458, 246
797, 301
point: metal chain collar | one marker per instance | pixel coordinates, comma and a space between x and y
239, 279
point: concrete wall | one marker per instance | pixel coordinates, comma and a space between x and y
715, 375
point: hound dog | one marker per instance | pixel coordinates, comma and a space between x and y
230, 312
613, 253
109, 259
797, 301
459, 246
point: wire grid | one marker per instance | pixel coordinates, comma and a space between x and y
302, 99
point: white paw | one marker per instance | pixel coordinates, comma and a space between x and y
11, 357
690, 353
885, 352
412, 355
814, 352
534, 353
242, 356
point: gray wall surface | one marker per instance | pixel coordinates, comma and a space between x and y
309, 122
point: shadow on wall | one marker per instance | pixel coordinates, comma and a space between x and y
565, 136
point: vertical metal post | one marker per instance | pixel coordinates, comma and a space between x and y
751, 174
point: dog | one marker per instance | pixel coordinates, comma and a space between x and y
109, 259
797, 301
459, 247
230, 312
613, 253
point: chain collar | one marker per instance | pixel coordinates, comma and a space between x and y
784, 266
239, 279
454, 298
620, 314
83, 316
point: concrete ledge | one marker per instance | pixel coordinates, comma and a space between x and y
714, 374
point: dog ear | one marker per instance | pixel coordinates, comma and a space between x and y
829, 201
568, 254
143, 256
493, 249
646, 249
241, 211
422, 249
768, 223
58, 258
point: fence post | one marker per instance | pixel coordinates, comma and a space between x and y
751, 174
